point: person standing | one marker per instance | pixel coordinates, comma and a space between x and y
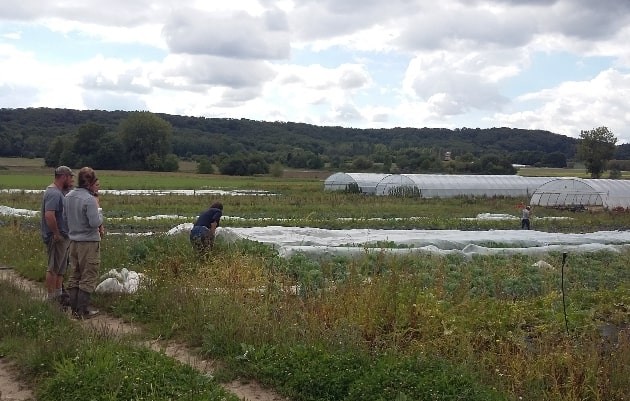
55, 233
525, 218
204, 229
84, 217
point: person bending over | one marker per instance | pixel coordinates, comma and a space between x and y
204, 228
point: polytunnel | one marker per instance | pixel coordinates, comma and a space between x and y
448, 186
365, 182
578, 193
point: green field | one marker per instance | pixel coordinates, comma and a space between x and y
376, 327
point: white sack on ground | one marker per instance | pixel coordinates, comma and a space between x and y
125, 281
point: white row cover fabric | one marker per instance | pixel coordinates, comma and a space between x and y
366, 182
447, 186
577, 192
289, 241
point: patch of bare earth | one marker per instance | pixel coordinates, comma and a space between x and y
9, 385
10, 388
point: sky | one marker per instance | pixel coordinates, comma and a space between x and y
556, 65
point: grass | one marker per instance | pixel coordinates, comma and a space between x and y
62, 361
375, 326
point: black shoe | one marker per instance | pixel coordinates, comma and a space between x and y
88, 314
64, 300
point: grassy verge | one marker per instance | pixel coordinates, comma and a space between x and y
63, 362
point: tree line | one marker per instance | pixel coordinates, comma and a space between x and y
156, 142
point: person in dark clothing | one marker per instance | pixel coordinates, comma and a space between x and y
203, 231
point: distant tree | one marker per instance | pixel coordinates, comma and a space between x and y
615, 174
110, 154
277, 169
623, 152
233, 166
87, 143
204, 165
493, 164
171, 162
147, 140
242, 164
55, 149
362, 163
596, 147
554, 159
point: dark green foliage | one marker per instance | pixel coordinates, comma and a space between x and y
311, 373
204, 165
147, 140
554, 159
294, 145
242, 164
419, 379
112, 371
596, 148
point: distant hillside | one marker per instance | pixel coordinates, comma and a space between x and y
28, 132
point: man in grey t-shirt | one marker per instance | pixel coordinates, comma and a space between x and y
54, 231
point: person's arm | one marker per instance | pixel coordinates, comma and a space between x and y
93, 214
213, 227
51, 222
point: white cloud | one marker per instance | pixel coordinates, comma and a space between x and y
363, 63
574, 106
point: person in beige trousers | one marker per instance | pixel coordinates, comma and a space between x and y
84, 217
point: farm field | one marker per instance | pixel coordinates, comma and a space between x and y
370, 326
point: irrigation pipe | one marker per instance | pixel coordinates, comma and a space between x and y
564, 305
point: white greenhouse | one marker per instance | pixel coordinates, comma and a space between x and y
364, 182
448, 186
582, 193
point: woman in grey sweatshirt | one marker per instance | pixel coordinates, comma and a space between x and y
84, 217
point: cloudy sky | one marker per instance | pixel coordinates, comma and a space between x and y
557, 65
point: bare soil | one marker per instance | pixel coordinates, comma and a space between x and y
11, 389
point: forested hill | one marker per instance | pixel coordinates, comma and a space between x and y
28, 132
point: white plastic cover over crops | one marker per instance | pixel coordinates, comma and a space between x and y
318, 242
446, 186
568, 192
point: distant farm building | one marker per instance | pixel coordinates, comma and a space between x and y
448, 186
435, 185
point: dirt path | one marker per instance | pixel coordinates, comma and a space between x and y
12, 390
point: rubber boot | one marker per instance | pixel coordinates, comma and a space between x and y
74, 300
64, 299
84, 310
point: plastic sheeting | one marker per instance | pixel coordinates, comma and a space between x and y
577, 193
365, 182
319, 242
123, 281
447, 186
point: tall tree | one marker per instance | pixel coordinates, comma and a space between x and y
88, 142
596, 148
145, 136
